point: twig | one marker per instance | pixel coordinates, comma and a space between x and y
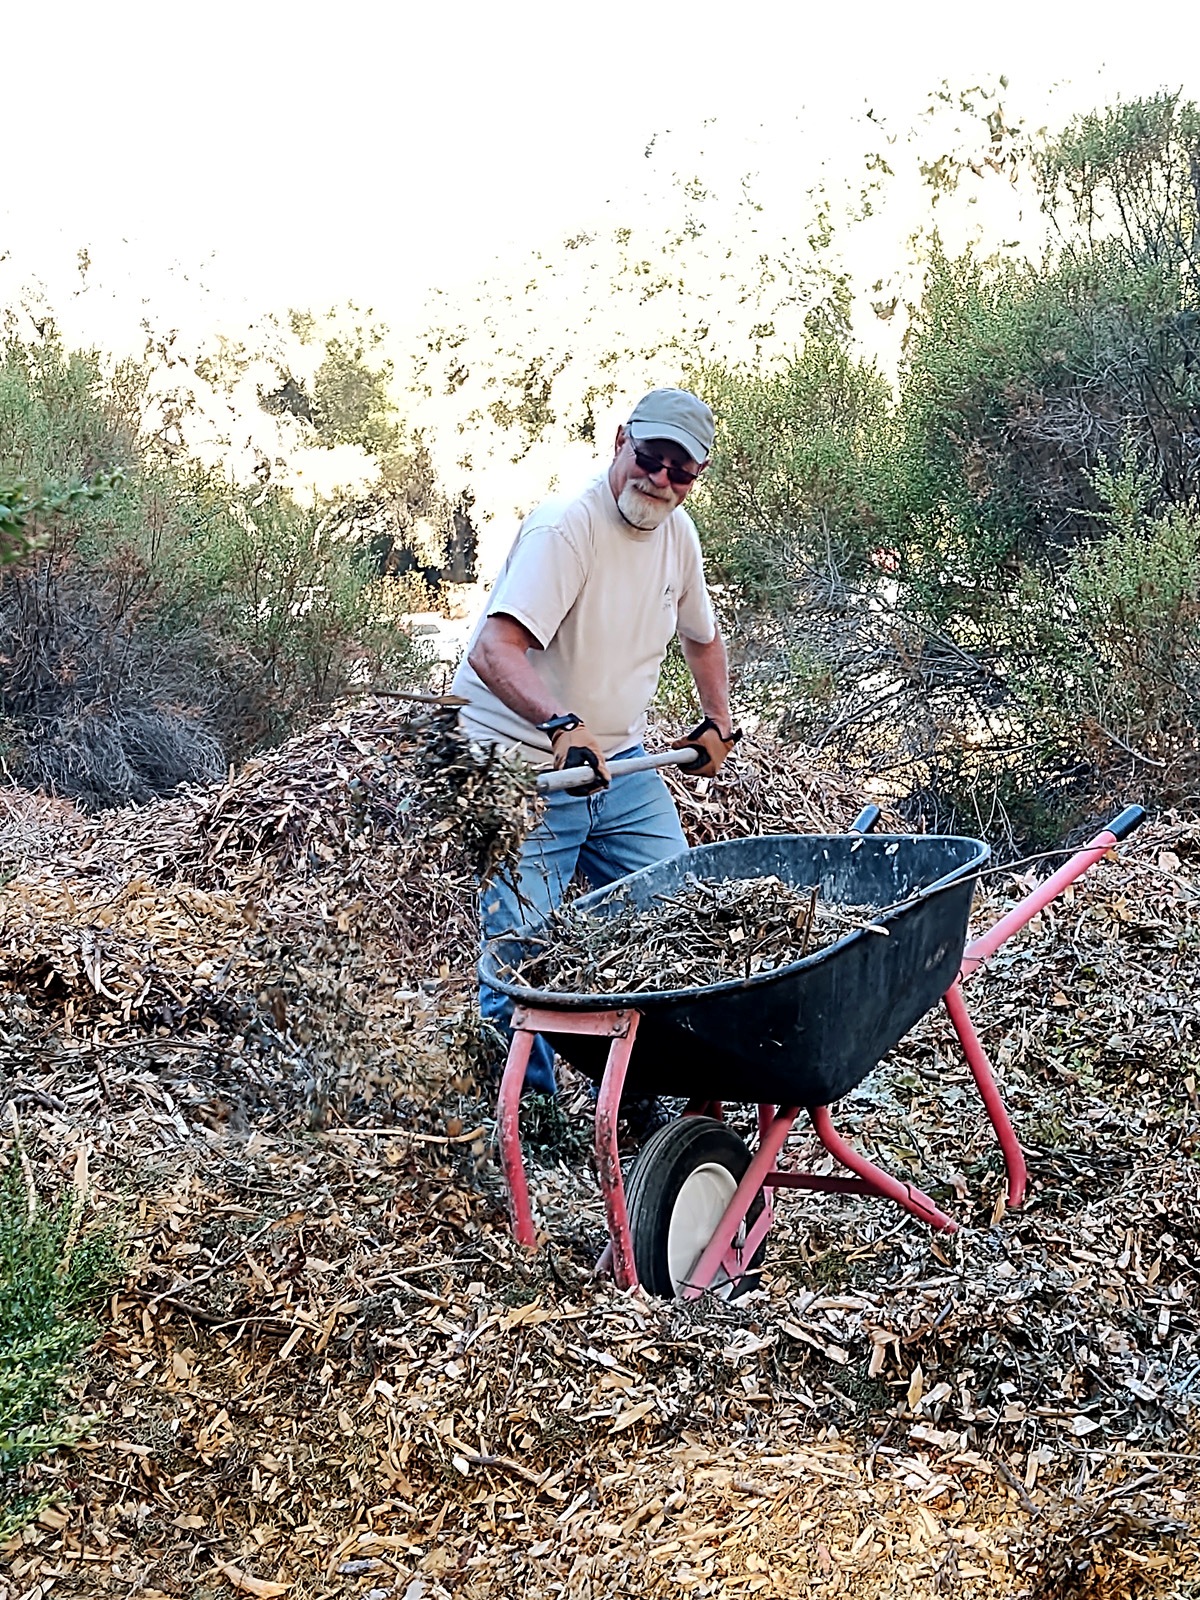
79, 1186
49, 1102
1016, 1485
31, 1194
407, 1133
475, 1459
217, 1266
1150, 761
809, 921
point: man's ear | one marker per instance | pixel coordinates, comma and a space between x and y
620, 440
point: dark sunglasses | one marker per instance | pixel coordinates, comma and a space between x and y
652, 466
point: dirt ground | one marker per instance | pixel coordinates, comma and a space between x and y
329, 1370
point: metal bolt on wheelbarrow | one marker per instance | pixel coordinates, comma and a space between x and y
700, 1202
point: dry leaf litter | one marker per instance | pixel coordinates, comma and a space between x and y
331, 1373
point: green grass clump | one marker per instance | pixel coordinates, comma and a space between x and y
50, 1274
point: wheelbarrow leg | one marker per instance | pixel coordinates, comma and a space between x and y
773, 1136
978, 951
608, 1158
985, 1082
876, 1180
620, 1027
766, 1122
509, 1121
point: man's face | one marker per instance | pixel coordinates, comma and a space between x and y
647, 498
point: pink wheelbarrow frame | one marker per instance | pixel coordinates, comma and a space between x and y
732, 1249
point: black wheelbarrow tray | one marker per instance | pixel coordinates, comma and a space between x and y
699, 1202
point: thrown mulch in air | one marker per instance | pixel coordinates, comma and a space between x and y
710, 931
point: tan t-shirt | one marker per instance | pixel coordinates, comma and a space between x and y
604, 600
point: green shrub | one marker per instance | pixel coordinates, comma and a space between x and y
61, 419
1021, 381
675, 698
1037, 649
165, 620
51, 1274
792, 485
1110, 664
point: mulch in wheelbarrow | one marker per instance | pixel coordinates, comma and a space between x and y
707, 932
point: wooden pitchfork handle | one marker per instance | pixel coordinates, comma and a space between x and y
573, 777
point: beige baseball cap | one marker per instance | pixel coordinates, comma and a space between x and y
676, 415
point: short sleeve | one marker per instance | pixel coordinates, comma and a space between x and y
696, 620
541, 582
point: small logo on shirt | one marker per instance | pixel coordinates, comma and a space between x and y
668, 598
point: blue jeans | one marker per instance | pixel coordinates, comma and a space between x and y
631, 824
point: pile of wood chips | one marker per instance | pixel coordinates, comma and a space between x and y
313, 912
330, 1372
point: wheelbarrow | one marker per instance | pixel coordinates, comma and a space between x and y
699, 1202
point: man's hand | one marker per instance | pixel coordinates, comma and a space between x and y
576, 747
711, 745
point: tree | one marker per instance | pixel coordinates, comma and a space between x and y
405, 522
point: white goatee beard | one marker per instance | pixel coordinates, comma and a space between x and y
643, 511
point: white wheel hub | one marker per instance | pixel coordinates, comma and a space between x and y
702, 1202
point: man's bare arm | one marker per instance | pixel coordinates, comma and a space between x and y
500, 660
709, 667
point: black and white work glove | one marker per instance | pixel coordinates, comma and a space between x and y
711, 745
577, 747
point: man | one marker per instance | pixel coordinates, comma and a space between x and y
565, 662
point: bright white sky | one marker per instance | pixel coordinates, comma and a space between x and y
302, 154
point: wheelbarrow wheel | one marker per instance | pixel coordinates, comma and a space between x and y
677, 1193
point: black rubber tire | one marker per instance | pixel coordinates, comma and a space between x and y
663, 1166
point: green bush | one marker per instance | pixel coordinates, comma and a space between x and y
1039, 503
51, 1274
1110, 664
1020, 384
794, 480
1021, 381
952, 502
165, 619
